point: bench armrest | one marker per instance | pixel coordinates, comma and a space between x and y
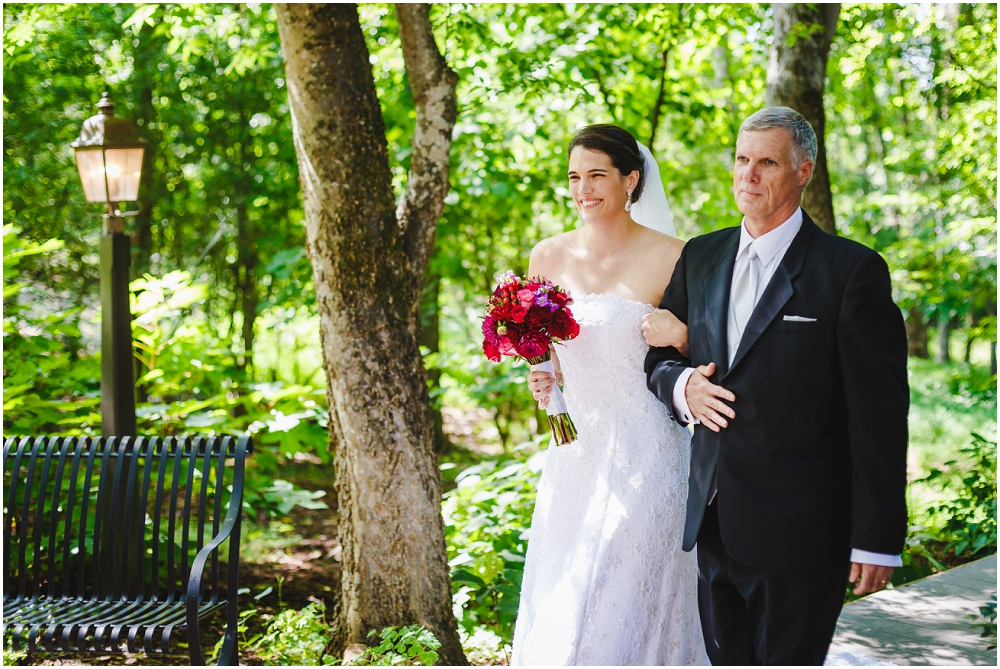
231, 522
198, 566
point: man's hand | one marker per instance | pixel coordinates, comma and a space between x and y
662, 328
704, 399
869, 577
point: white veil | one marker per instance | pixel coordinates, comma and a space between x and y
652, 210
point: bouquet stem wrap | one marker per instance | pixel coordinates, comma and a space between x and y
561, 424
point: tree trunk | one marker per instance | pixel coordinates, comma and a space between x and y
722, 78
943, 340
916, 334
146, 57
970, 339
142, 236
430, 337
795, 78
660, 96
368, 265
247, 260
991, 309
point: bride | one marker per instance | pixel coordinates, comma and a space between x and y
605, 580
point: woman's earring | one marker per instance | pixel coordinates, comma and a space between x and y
628, 202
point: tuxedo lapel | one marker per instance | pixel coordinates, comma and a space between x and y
778, 291
717, 302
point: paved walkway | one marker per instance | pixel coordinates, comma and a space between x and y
921, 623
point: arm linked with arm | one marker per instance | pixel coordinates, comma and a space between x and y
665, 365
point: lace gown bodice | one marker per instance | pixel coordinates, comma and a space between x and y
605, 580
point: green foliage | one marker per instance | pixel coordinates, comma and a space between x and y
967, 522
986, 621
412, 645
228, 336
295, 638
910, 140
911, 143
11, 657
280, 497
46, 381
484, 647
184, 374
486, 518
947, 402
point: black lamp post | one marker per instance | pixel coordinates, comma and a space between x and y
109, 156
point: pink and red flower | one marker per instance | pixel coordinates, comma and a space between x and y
524, 317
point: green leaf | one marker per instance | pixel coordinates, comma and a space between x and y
140, 17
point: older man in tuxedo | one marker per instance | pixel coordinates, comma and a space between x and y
796, 384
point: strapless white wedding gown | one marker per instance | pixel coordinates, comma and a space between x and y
605, 580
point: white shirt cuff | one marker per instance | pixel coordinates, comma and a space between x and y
680, 399
880, 559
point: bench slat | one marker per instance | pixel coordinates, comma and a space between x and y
85, 519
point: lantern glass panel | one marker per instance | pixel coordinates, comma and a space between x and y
124, 169
90, 162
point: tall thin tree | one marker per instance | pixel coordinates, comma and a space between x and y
368, 263
795, 78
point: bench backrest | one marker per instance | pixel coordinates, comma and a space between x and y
117, 519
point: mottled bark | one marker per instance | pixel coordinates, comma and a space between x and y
433, 84
368, 267
795, 78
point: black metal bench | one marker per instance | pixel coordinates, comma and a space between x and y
114, 544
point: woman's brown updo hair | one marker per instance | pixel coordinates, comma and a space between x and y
619, 145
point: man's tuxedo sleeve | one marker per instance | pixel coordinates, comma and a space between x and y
872, 344
665, 364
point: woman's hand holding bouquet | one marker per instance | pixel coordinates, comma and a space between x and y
524, 317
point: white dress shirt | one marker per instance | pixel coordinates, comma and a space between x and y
771, 248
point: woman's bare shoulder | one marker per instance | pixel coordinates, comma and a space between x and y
549, 256
663, 246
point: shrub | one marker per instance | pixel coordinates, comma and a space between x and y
484, 647
486, 519
986, 620
11, 657
412, 645
281, 496
295, 638
967, 523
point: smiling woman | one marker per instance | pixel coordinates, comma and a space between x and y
605, 150
590, 593
611, 254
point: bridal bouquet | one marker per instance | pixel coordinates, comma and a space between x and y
523, 317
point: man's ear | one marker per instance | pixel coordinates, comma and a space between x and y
805, 172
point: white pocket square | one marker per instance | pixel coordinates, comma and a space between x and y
799, 319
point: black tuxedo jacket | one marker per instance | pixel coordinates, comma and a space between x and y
814, 464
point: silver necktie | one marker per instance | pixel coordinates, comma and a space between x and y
746, 290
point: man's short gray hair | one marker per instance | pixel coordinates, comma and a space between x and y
803, 136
